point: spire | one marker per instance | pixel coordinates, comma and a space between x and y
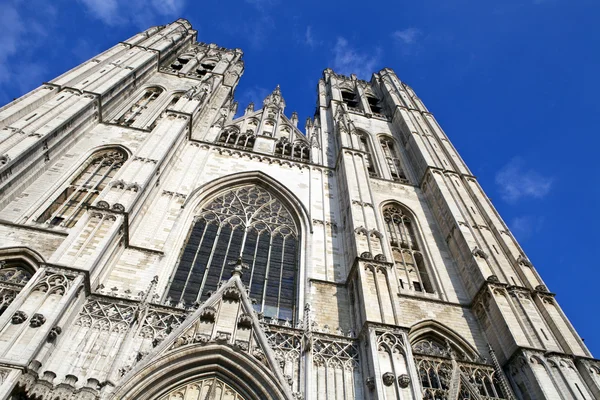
275, 99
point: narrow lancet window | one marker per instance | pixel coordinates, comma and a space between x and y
350, 99
408, 258
139, 108
393, 161
363, 143
250, 222
97, 172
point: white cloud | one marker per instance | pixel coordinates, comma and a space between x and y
525, 226
407, 36
309, 38
20, 38
105, 10
254, 94
347, 60
516, 182
141, 12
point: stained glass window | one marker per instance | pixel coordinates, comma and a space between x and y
246, 221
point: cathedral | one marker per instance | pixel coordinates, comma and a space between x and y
156, 243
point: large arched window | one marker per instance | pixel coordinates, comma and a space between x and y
97, 172
393, 160
250, 222
410, 263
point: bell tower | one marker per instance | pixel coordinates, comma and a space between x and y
156, 244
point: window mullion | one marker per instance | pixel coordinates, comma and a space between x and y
267, 273
209, 262
258, 236
77, 190
89, 192
226, 255
280, 275
189, 275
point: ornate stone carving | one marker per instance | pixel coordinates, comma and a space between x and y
37, 320
388, 379
477, 252
403, 381
209, 314
19, 317
231, 293
370, 382
542, 288
54, 332
245, 321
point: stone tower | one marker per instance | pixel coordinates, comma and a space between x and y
155, 246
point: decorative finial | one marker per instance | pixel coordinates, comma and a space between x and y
239, 267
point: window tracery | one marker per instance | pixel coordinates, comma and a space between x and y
246, 221
211, 388
13, 277
298, 150
233, 137
408, 258
393, 161
363, 143
442, 367
97, 172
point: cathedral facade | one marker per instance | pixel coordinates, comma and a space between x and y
157, 244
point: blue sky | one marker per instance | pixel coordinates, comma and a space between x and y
514, 84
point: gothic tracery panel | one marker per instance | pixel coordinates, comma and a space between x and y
13, 276
408, 258
250, 223
211, 388
95, 175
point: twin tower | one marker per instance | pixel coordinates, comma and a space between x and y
155, 243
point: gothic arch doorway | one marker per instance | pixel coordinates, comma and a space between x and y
205, 388
208, 372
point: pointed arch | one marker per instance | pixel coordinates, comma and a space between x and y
438, 338
137, 113
408, 248
17, 267
392, 157
209, 189
251, 216
365, 144
185, 365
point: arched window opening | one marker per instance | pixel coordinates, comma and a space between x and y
232, 137
297, 150
374, 105
363, 143
97, 172
211, 388
435, 376
250, 222
392, 159
409, 261
14, 276
350, 99
138, 108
